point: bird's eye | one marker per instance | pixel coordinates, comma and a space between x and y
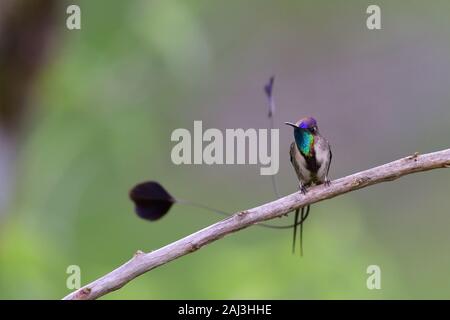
313, 129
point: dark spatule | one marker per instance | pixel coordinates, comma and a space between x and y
151, 200
268, 90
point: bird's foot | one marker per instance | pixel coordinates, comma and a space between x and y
327, 182
303, 189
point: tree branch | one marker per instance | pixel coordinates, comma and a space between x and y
144, 262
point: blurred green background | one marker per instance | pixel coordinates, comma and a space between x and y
108, 96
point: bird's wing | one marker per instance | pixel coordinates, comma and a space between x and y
292, 152
331, 156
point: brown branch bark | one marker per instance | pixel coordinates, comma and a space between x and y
144, 262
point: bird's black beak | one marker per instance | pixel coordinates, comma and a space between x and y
291, 124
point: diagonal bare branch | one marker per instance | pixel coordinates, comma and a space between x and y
144, 262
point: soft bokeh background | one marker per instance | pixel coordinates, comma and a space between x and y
107, 98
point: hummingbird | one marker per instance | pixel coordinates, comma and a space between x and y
310, 155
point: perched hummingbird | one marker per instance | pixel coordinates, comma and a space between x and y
311, 157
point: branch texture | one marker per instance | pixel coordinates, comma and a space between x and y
143, 262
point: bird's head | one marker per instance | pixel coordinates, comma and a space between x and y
309, 124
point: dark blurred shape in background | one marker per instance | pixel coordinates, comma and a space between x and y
26, 28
